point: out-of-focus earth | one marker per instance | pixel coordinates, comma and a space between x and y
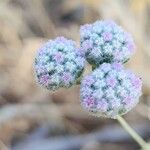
32, 118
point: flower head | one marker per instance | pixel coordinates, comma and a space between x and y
58, 63
114, 93
106, 42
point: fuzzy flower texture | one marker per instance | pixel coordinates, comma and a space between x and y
110, 90
58, 63
105, 41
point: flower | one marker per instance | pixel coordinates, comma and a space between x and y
111, 81
107, 36
115, 93
106, 42
58, 63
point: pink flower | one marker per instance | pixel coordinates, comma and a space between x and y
58, 57
86, 91
40, 70
131, 47
66, 77
128, 101
87, 45
117, 66
80, 51
44, 79
111, 81
88, 81
107, 36
89, 102
137, 83
102, 105
123, 93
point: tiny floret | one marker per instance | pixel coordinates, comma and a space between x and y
58, 63
115, 93
106, 42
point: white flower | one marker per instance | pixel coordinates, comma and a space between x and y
116, 44
108, 49
97, 29
121, 75
59, 68
52, 51
95, 52
112, 73
70, 49
55, 79
106, 67
126, 83
99, 41
98, 74
45, 59
110, 93
70, 56
71, 66
121, 38
50, 66
98, 94
100, 84
115, 103
121, 91
126, 52
94, 36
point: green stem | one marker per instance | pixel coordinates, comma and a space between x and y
133, 133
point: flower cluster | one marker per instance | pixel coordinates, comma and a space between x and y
105, 41
58, 63
110, 90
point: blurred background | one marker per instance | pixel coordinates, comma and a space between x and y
32, 118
